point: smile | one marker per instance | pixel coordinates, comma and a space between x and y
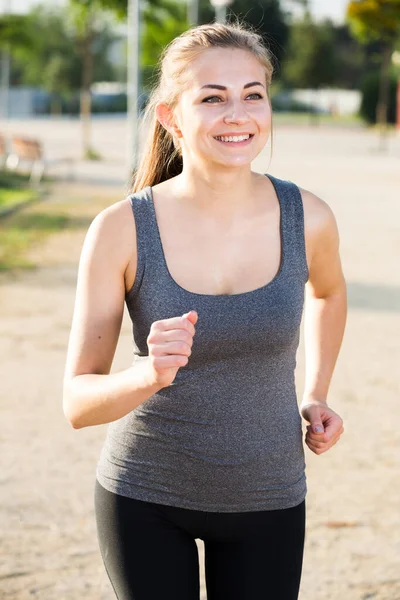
234, 139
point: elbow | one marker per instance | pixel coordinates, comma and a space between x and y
74, 423
71, 417
70, 413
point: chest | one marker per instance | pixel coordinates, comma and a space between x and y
207, 258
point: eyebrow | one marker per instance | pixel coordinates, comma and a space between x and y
216, 86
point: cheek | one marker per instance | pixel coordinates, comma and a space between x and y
199, 122
263, 116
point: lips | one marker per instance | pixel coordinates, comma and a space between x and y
234, 139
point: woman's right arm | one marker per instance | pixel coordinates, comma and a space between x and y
91, 395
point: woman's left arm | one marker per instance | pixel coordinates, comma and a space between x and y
324, 322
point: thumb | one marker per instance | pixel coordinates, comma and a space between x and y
317, 425
191, 315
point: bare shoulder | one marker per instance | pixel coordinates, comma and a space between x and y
320, 224
112, 235
318, 215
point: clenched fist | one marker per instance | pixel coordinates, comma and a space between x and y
170, 345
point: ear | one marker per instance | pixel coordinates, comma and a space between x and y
166, 117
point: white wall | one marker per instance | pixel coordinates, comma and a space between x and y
346, 102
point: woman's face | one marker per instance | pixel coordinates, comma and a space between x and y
226, 98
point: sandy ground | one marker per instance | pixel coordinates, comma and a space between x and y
49, 547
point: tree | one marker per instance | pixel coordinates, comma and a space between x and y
50, 60
378, 20
311, 60
163, 20
88, 20
13, 32
162, 24
51, 56
264, 16
350, 56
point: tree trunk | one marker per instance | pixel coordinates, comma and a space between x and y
55, 104
85, 96
314, 112
384, 92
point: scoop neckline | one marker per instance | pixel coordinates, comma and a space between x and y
226, 296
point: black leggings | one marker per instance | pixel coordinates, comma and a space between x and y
149, 550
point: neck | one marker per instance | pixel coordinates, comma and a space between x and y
226, 194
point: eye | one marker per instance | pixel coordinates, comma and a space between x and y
211, 98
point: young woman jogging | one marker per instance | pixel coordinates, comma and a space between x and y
214, 262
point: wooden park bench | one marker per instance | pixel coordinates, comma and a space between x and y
29, 152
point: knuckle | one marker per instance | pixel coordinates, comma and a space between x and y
189, 327
189, 339
183, 347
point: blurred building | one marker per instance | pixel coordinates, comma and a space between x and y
27, 102
326, 100
336, 101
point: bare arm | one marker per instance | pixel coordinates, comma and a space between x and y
326, 300
92, 395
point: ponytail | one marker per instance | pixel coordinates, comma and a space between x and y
160, 159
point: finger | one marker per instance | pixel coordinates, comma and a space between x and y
169, 361
315, 436
175, 323
315, 449
322, 439
172, 335
332, 428
192, 315
321, 444
173, 347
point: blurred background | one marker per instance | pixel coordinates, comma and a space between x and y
75, 76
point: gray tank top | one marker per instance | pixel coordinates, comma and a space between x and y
226, 436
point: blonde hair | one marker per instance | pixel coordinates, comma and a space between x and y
161, 158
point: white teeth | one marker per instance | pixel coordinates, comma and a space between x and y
235, 138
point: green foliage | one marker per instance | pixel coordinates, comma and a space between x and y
119, 7
52, 60
370, 96
12, 180
14, 31
311, 60
264, 16
350, 57
267, 17
92, 154
375, 19
162, 25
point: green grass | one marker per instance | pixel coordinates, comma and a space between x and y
9, 198
19, 231
15, 190
12, 179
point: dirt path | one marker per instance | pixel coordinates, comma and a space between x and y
49, 547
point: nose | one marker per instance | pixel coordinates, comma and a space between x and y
236, 114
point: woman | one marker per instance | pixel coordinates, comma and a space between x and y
205, 437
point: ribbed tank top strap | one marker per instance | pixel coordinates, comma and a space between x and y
146, 238
292, 223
